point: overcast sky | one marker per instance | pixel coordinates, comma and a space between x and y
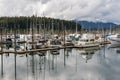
90, 10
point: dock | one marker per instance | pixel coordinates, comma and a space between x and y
44, 49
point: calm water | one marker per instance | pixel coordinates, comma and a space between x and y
70, 64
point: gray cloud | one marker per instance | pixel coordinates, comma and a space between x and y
92, 10
42, 1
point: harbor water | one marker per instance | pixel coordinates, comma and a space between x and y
69, 64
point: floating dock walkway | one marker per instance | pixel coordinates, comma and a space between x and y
43, 49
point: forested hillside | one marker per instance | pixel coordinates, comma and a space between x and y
44, 23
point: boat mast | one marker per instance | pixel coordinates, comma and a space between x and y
52, 28
76, 27
110, 29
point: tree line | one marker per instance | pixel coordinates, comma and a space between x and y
24, 23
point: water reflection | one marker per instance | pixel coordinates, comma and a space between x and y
1, 65
114, 47
15, 66
64, 64
68, 51
118, 50
87, 53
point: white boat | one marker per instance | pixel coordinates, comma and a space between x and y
114, 39
67, 41
53, 43
87, 40
22, 38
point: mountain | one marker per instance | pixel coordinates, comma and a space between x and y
96, 25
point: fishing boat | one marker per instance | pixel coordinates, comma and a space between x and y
67, 41
40, 44
87, 40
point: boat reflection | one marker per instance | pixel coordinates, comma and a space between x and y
115, 47
42, 53
53, 58
87, 53
118, 50
1, 65
69, 50
54, 52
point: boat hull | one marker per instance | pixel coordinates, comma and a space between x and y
115, 41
